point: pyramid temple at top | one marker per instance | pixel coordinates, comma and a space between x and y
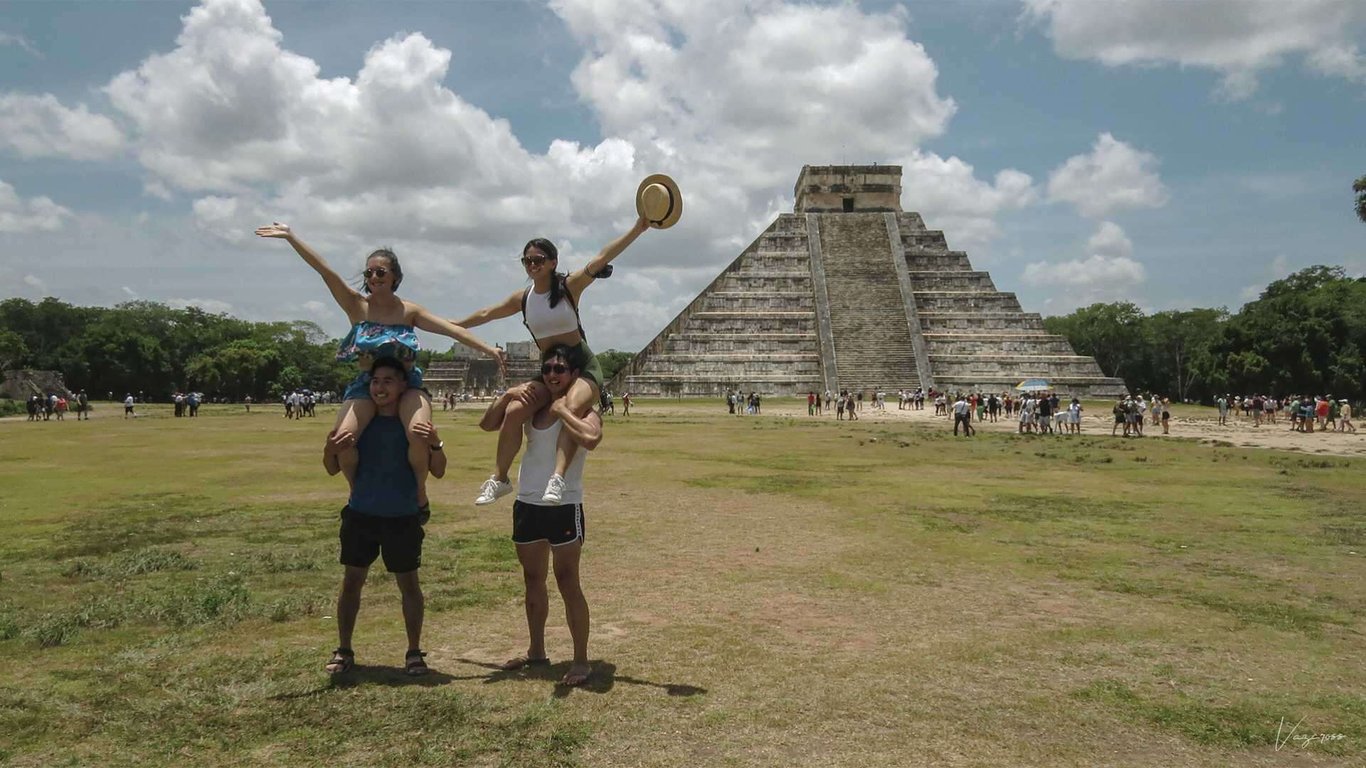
850, 292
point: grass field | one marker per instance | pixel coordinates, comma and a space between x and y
765, 591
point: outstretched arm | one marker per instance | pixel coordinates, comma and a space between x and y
586, 431
424, 319
581, 278
350, 300
505, 308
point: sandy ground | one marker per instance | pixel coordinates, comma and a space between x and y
1205, 428
1202, 425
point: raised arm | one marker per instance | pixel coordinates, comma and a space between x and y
581, 278
505, 308
586, 431
424, 319
348, 298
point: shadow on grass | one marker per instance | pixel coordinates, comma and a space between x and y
362, 674
602, 680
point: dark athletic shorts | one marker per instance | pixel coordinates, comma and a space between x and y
366, 537
562, 524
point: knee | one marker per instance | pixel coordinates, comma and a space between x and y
352, 585
534, 581
567, 579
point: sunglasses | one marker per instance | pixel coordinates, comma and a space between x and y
554, 368
534, 261
376, 272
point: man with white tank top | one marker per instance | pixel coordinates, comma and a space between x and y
540, 529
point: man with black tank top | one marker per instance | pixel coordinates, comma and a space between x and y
382, 518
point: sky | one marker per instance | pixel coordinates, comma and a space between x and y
1173, 153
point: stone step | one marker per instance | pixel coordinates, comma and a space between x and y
732, 302
1007, 346
951, 280
731, 284
685, 335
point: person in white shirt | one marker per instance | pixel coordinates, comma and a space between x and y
540, 528
961, 415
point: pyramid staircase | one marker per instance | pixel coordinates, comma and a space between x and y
850, 292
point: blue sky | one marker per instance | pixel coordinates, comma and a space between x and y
1175, 154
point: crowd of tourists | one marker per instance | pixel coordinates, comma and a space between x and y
1303, 413
55, 406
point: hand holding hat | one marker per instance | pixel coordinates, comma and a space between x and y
658, 201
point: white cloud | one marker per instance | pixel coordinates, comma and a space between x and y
730, 98
1113, 177
211, 306
129, 292
1110, 240
1236, 38
1340, 61
20, 42
1085, 281
1108, 274
40, 126
38, 214
35, 282
950, 197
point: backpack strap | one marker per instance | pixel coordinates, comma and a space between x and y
525, 294
564, 285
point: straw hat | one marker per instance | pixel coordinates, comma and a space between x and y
659, 201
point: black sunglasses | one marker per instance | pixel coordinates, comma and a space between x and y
376, 272
534, 261
554, 368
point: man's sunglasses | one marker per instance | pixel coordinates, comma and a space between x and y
533, 261
376, 272
554, 368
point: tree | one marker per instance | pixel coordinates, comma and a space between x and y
613, 361
1359, 187
1108, 332
12, 350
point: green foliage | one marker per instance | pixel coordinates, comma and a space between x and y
1359, 187
1304, 334
613, 361
11, 407
146, 347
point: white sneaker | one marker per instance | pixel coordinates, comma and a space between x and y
492, 490
554, 490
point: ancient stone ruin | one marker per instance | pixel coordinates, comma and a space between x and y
851, 292
21, 384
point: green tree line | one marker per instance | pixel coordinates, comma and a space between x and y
1303, 335
151, 348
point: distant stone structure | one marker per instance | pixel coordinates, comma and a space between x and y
477, 375
850, 292
21, 384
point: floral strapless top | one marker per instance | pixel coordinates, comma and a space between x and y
369, 341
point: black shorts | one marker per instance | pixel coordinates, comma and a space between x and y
561, 524
365, 537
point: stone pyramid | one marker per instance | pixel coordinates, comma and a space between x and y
850, 292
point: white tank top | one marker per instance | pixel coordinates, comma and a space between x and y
545, 321
538, 464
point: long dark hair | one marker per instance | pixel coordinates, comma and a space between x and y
556, 278
387, 253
